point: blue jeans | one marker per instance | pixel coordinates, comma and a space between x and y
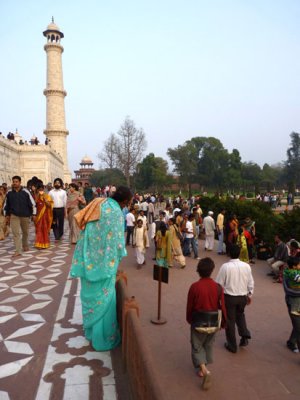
221, 240
188, 242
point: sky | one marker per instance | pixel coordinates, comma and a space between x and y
180, 69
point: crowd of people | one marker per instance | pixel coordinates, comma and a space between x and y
103, 222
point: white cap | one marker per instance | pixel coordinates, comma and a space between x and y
210, 213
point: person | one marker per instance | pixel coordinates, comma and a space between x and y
74, 201
220, 231
209, 229
88, 193
231, 232
236, 278
99, 250
130, 222
249, 232
190, 238
279, 258
205, 295
44, 215
242, 243
4, 231
19, 206
163, 246
140, 242
59, 197
291, 285
176, 238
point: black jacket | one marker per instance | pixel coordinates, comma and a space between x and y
19, 203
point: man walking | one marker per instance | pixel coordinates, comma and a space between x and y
59, 197
19, 206
236, 278
220, 230
209, 228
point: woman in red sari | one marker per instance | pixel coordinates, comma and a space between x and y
43, 222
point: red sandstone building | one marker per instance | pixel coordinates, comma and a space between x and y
84, 173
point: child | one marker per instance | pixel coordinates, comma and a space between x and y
204, 296
291, 276
140, 242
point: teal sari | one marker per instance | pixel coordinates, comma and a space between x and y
99, 250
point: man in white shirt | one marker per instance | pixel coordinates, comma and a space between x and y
130, 222
189, 238
59, 197
209, 229
236, 278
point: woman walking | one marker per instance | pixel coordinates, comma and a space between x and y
44, 216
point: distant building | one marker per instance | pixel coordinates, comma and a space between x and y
85, 172
50, 160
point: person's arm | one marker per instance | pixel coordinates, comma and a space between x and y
189, 306
221, 277
250, 286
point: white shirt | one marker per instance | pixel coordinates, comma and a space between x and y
59, 197
209, 225
144, 206
236, 278
189, 230
130, 219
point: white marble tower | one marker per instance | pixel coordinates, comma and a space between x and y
56, 131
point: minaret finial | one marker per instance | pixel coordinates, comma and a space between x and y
52, 20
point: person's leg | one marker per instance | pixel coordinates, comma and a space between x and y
276, 267
198, 351
230, 303
61, 221
241, 319
211, 242
221, 240
55, 224
24, 222
16, 231
195, 246
296, 328
186, 247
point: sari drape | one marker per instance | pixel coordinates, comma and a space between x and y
43, 222
99, 250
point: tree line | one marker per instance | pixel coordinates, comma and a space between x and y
200, 160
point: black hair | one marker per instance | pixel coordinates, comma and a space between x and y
59, 180
294, 244
293, 261
234, 251
205, 267
122, 193
16, 177
73, 185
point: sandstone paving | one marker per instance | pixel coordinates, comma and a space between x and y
43, 352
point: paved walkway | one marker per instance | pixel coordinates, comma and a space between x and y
43, 353
265, 370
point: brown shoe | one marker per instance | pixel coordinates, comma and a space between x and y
206, 384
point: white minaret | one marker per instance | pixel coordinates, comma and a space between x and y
55, 94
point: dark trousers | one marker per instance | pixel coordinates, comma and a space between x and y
58, 222
294, 338
235, 307
129, 234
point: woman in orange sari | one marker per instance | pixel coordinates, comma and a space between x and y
43, 222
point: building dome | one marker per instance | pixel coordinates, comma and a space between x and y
53, 27
86, 160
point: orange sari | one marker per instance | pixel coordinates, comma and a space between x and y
43, 220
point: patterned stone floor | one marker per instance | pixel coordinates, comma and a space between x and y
43, 353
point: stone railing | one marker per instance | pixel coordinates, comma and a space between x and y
137, 359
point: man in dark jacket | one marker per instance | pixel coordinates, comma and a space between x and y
19, 206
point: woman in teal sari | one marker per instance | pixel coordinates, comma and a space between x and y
99, 250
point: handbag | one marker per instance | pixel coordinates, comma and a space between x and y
208, 321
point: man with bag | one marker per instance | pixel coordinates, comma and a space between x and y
205, 301
236, 278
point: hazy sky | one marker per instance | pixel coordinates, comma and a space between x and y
179, 69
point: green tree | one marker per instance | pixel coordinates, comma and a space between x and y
269, 176
293, 162
251, 176
108, 176
152, 173
185, 161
